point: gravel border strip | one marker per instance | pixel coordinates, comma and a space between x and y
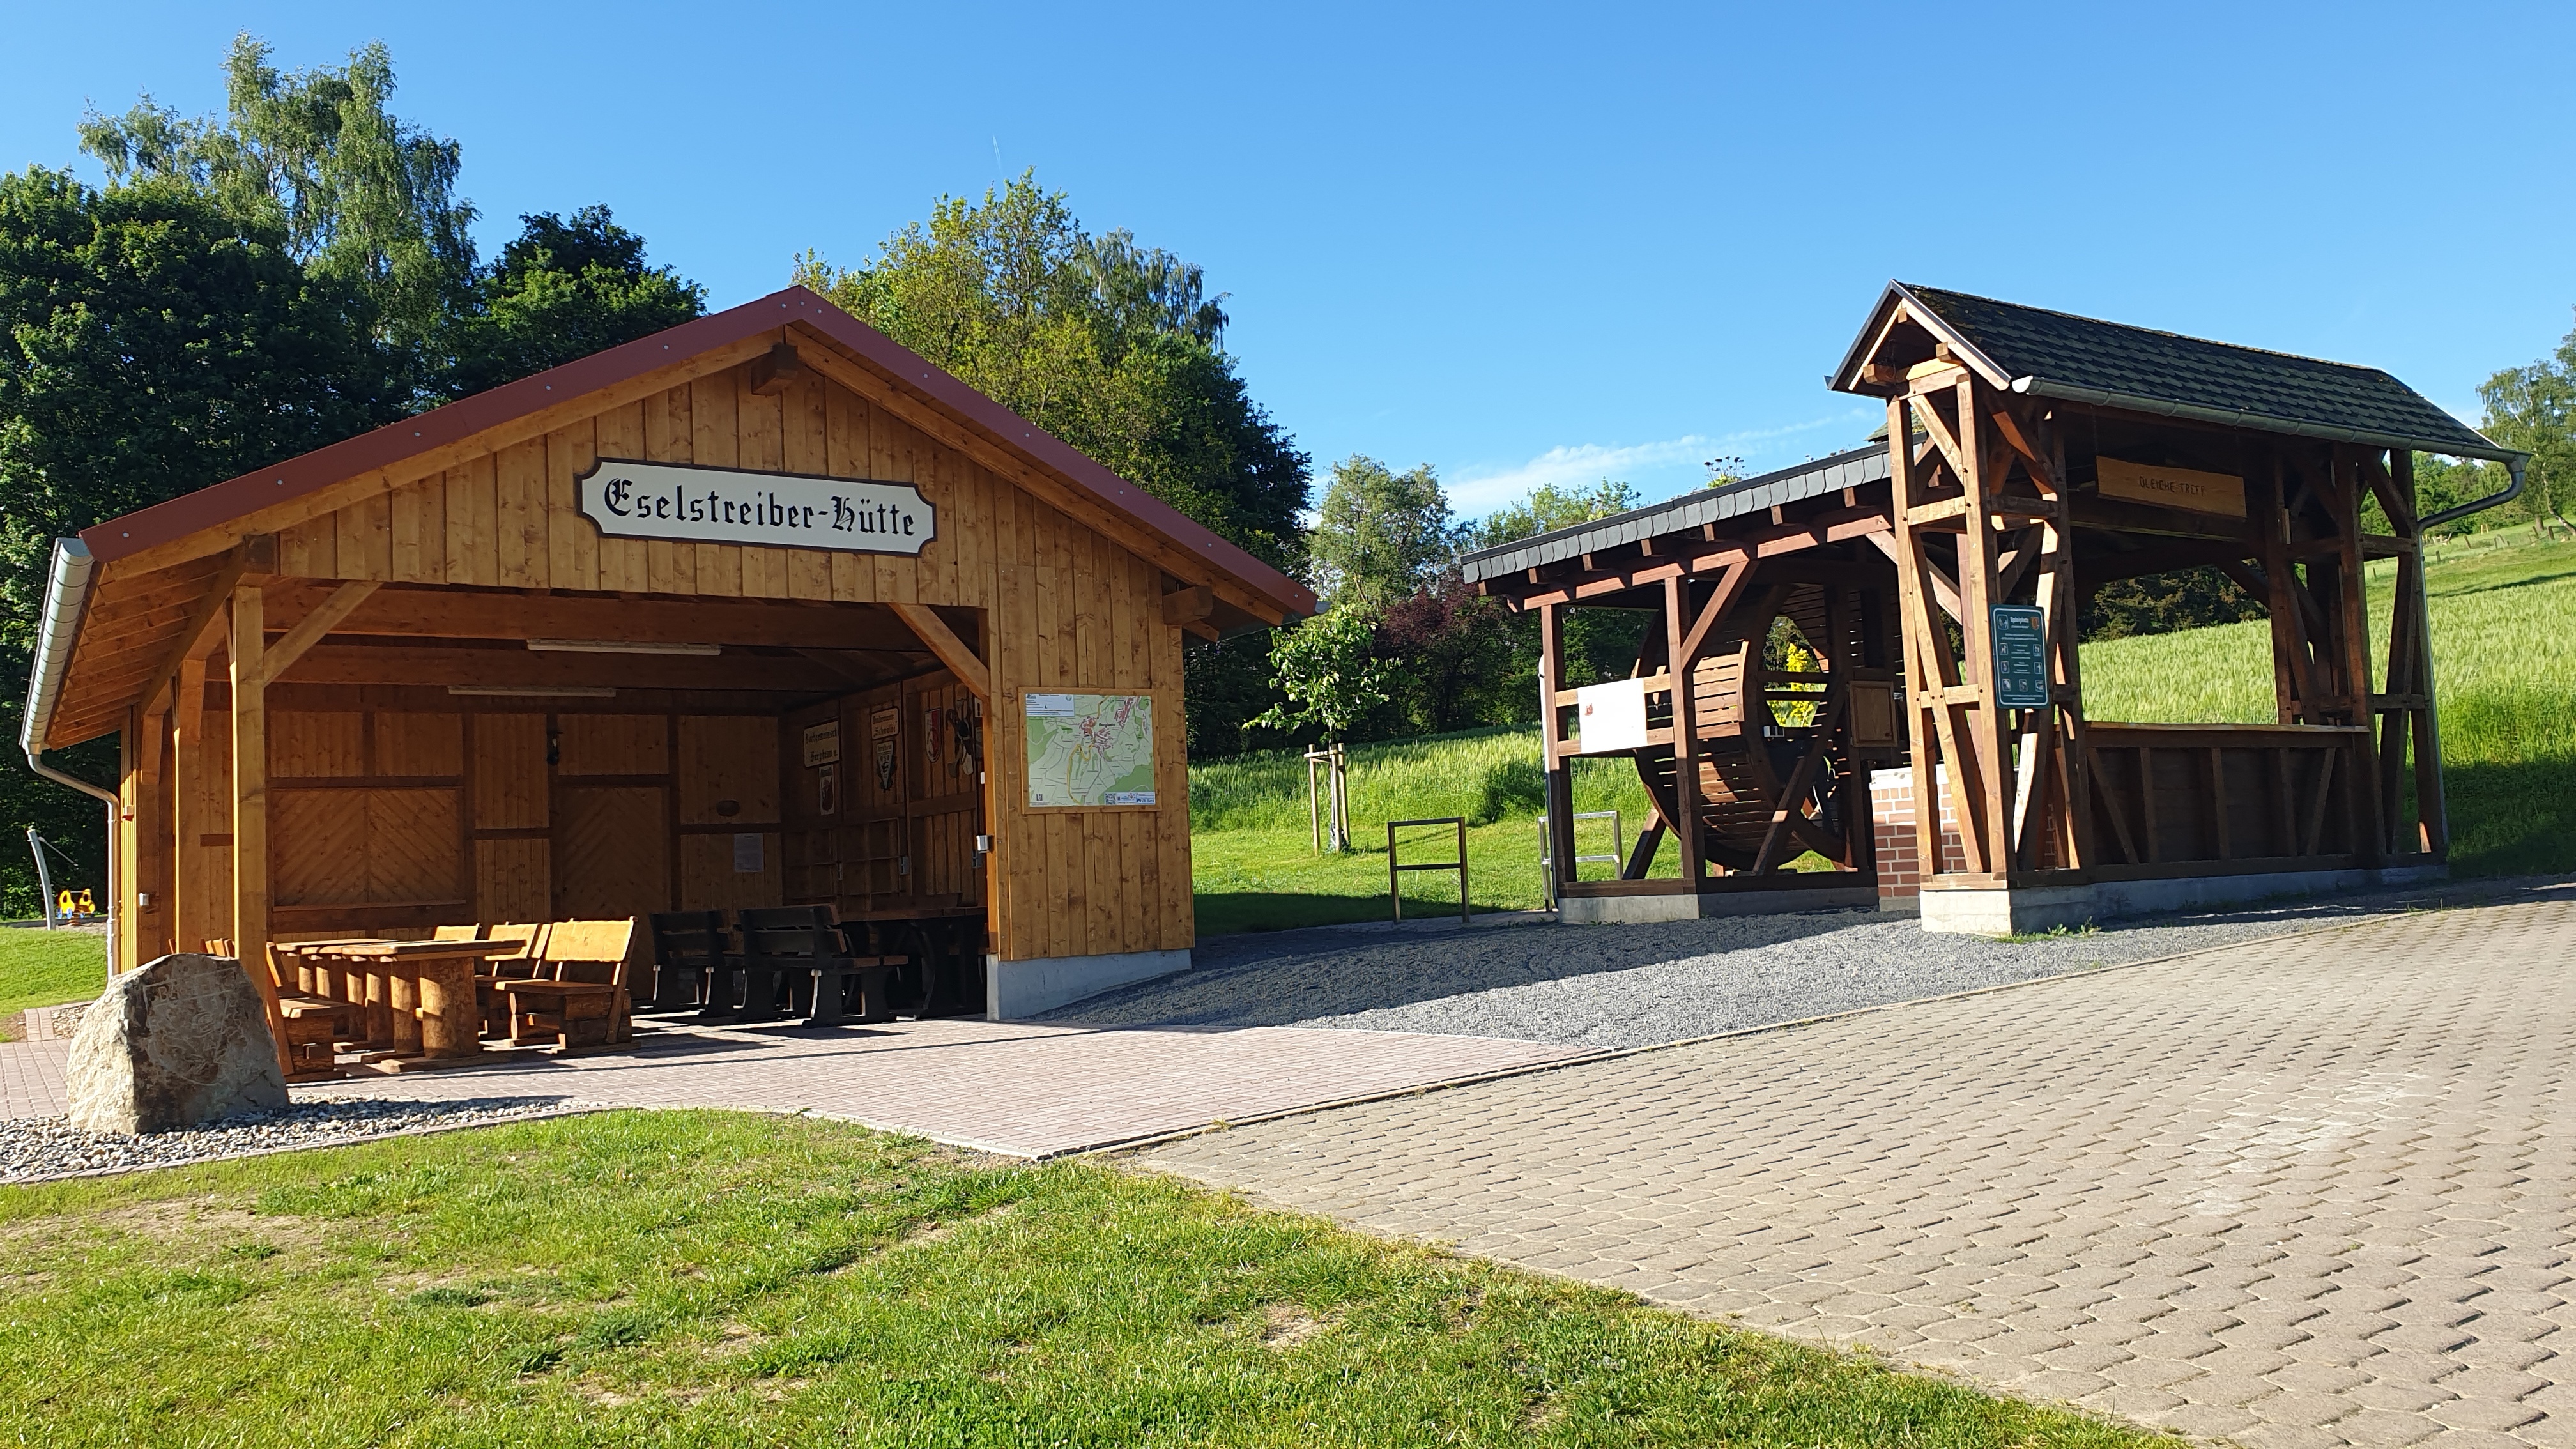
430, 1130
1616, 1053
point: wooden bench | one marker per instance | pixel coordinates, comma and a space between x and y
689, 951
522, 967
309, 1028
799, 948
579, 994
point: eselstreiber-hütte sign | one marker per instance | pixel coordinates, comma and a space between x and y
630, 499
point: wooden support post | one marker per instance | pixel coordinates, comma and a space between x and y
2058, 594
126, 841
1927, 651
152, 830
1681, 640
1560, 789
2289, 651
249, 650
194, 913
2352, 635
1979, 571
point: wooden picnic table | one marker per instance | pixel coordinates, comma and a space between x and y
418, 996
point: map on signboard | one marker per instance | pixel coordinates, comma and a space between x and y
1090, 749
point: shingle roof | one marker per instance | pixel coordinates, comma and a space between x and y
2082, 359
1709, 505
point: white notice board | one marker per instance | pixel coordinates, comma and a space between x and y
1610, 717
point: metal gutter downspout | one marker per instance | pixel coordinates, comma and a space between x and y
64, 601
2512, 490
2424, 631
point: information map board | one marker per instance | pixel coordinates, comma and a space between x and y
1090, 750
2021, 657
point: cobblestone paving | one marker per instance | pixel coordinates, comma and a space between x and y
1014, 1088
2307, 1191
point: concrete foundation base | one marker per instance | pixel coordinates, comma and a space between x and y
1014, 989
2012, 912
1633, 910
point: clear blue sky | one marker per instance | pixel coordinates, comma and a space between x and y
1523, 245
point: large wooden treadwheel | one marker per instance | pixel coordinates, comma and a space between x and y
1756, 722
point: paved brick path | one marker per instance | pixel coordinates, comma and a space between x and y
1025, 1090
31, 1078
2303, 1192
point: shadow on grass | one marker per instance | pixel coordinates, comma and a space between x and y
2512, 819
1225, 913
2439, 592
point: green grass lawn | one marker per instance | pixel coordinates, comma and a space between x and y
2504, 634
715, 1279
47, 968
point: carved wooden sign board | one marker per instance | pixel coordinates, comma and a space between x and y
2172, 487
681, 501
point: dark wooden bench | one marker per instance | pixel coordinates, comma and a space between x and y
689, 951
792, 955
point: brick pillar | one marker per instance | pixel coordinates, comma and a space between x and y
1891, 812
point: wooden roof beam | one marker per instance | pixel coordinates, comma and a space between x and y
449, 612
408, 664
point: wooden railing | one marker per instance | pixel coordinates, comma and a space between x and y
2170, 794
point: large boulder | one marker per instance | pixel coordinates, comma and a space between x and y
179, 1041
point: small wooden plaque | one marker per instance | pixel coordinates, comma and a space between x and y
2172, 487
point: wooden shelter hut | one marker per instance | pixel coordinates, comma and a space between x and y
1931, 587
763, 609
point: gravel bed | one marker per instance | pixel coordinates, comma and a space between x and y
33, 1149
1611, 987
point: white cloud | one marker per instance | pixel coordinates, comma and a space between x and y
1480, 489
1477, 492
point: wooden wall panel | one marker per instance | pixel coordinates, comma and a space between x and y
612, 851
728, 760
419, 744
668, 437
414, 846
614, 744
305, 746
364, 848
319, 843
709, 881
512, 881
510, 772
419, 512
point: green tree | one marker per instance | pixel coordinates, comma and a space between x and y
1379, 534
1547, 508
1600, 643
560, 291
1113, 347
358, 195
1328, 670
150, 344
2533, 408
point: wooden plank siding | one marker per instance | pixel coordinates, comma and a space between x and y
1056, 606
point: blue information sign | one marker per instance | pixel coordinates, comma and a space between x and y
2021, 656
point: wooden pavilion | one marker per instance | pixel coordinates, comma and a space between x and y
763, 609
1931, 587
